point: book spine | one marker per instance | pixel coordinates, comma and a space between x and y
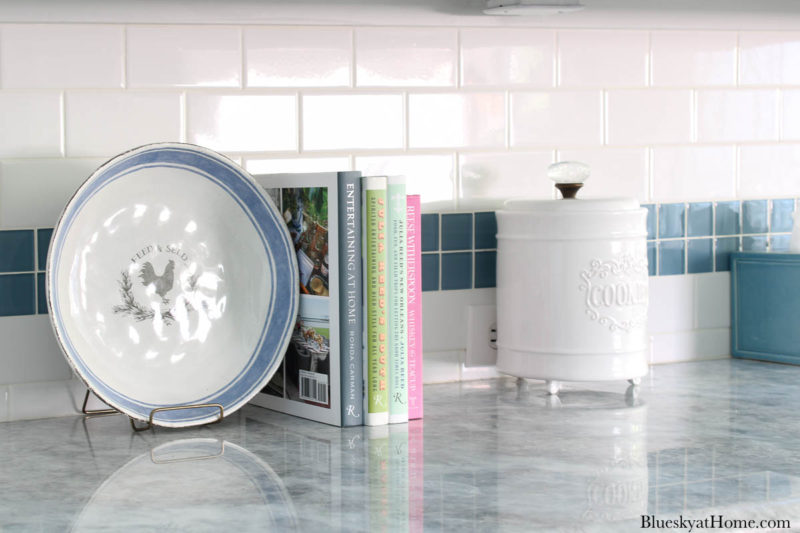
374, 192
398, 315
414, 305
351, 319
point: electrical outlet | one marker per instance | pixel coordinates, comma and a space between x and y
481, 335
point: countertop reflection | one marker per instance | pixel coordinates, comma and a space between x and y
696, 439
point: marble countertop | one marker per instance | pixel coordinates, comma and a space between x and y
698, 439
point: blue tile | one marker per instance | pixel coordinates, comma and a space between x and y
430, 272
700, 256
671, 221
485, 231
430, 232
43, 243
17, 251
485, 269
727, 218
17, 295
782, 215
754, 216
722, 252
651, 258
701, 219
671, 258
41, 295
457, 271
779, 243
457, 231
756, 243
651, 220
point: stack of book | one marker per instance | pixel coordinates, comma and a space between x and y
356, 351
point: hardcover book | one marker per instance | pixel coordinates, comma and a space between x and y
375, 301
414, 305
321, 374
398, 314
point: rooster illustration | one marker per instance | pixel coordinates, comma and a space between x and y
163, 283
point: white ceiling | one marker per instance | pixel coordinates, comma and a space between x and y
708, 14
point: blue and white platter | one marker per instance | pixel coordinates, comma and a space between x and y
172, 281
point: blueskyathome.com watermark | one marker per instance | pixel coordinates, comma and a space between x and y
716, 521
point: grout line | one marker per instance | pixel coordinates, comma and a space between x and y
124, 74
779, 113
62, 110
299, 121
243, 78
604, 117
406, 122
737, 57
693, 117
649, 61
184, 114
459, 71
556, 60
353, 79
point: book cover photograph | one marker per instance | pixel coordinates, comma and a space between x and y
305, 373
317, 374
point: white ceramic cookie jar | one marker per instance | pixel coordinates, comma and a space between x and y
572, 286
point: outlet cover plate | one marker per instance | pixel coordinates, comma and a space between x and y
480, 321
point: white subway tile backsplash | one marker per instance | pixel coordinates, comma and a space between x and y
615, 172
691, 345
30, 352
340, 121
602, 58
556, 118
649, 116
693, 173
769, 170
727, 115
100, 123
298, 57
507, 56
405, 57
671, 304
430, 176
769, 58
50, 56
472, 116
790, 111
441, 367
692, 58
44, 399
712, 300
184, 56
487, 180
33, 192
457, 120
31, 124
297, 164
242, 122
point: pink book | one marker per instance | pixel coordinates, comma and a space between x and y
414, 306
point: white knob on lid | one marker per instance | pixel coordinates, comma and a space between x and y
569, 176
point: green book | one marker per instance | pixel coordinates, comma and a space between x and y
375, 287
397, 291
